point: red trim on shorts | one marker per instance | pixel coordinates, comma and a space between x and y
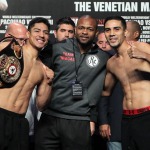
136, 111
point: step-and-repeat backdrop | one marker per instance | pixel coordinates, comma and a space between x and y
24, 10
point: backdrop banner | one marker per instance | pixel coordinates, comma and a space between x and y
24, 10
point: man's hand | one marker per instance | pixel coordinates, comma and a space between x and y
134, 52
49, 74
3, 5
92, 127
105, 131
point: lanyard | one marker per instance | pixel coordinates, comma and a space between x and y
77, 68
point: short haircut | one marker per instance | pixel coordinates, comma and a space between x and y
89, 17
64, 20
136, 27
119, 18
38, 20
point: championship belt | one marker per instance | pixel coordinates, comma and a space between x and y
11, 63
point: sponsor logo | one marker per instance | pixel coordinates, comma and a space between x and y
92, 61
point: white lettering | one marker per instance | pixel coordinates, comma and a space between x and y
147, 22
145, 7
82, 6
146, 27
116, 6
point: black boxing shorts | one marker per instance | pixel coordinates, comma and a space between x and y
11, 62
14, 131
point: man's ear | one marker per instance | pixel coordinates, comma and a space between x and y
125, 33
136, 34
6, 34
28, 34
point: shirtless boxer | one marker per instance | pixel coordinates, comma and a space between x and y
130, 65
18, 76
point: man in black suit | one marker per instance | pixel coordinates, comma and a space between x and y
110, 114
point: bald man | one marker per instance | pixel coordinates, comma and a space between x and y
79, 66
133, 31
18, 31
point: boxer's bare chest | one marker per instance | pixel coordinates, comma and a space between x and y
131, 70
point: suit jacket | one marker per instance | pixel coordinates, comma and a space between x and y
110, 112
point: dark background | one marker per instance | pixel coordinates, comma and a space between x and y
55, 9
